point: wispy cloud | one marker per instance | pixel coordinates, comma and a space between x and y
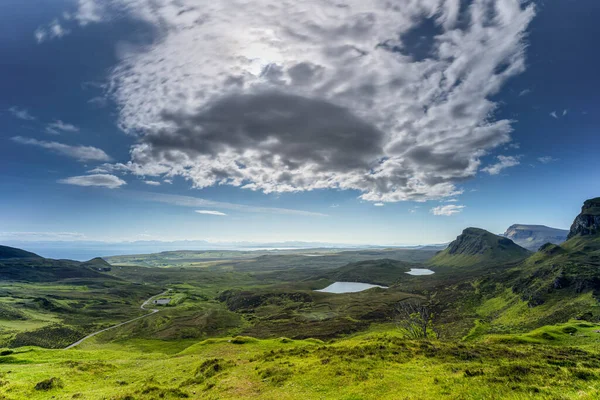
51, 31
565, 112
100, 180
447, 210
42, 236
524, 92
21, 113
59, 126
152, 183
547, 159
211, 212
189, 201
503, 163
80, 153
379, 204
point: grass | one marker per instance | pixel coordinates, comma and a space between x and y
371, 365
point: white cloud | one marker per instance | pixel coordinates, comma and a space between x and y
451, 200
447, 210
168, 181
101, 180
59, 126
554, 115
189, 201
209, 212
53, 30
152, 183
503, 163
21, 113
42, 236
89, 11
547, 159
81, 153
565, 112
292, 76
524, 92
379, 204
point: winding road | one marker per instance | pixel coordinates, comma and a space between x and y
143, 307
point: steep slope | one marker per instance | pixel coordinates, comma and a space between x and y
532, 237
554, 285
479, 247
12, 252
588, 221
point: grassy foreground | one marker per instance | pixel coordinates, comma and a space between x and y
554, 362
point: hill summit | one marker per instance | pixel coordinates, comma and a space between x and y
478, 246
7, 252
588, 221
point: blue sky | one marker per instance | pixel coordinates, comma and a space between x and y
351, 124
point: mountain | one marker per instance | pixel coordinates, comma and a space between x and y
479, 247
532, 237
588, 221
12, 252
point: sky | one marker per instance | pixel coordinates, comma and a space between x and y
392, 123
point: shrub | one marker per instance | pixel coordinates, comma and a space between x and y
49, 384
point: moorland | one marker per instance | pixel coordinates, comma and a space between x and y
494, 320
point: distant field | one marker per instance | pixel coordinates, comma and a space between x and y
220, 257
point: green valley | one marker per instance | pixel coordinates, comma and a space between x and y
494, 320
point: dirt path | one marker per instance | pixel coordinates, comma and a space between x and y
143, 307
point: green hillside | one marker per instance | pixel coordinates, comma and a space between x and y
12, 252
478, 247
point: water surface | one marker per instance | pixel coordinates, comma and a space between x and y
348, 287
420, 271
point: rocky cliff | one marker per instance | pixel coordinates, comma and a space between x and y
532, 237
588, 221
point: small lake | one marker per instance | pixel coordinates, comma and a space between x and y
420, 271
348, 287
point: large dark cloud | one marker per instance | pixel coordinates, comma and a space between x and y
295, 129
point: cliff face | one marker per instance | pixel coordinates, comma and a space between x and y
588, 222
532, 237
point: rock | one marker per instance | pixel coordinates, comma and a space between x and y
588, 221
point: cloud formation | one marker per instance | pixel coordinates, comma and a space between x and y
210, 212
285, 96
101, 180
53, 30
42, 236
80, 153
503, 163
189, 201
21, 113
59, 126
447, 210
547, 159
152, 183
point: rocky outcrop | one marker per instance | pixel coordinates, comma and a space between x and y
532, 237
588, 221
